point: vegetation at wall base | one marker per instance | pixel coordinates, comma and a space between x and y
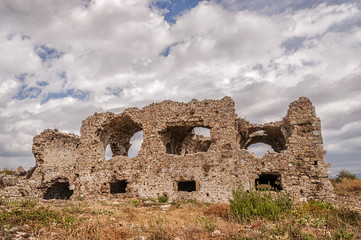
247, 205
248, 215
122, 219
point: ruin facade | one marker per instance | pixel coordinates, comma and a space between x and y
175, 161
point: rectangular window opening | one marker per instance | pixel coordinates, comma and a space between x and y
118, 186
186, 186
268, 182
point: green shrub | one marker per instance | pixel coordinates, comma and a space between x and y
8, 171
134, 201
163, 198
34, 216
342, 234
247, 205
345, 174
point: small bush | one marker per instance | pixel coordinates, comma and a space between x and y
134, 201
345, 174
7, 171
247, 205
342, 234
163, 198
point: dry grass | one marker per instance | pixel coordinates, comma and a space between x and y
348, 187
141, 219
150, 219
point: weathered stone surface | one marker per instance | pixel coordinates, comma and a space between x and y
9, 181
20, 171
175, 161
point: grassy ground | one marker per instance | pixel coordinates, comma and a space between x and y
263, 217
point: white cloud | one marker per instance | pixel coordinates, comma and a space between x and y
315, 22
111, 50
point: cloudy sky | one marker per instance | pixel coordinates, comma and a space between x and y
63, 60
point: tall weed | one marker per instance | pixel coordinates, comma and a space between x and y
249, 205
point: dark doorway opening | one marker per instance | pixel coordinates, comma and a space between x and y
269, 181
168, 149
187, 186
58, 190
118, 186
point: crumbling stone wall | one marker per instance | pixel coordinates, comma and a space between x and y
176, 162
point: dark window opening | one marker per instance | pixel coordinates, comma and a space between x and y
182, 140
187, 186
168, 148
315, 163
58, 190
118, 186
268, 181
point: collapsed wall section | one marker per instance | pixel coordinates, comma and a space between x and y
55, 155
177, 162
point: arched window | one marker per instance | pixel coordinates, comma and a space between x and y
135, 144
121, 137
270, 136
183, 140
108, 152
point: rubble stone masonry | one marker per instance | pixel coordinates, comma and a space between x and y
175, 161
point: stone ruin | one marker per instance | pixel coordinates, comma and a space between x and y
175, 161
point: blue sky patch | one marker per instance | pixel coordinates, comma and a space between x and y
165, 52
42, 83
46, 53
74, 93
174, 8
25, 92
21, 77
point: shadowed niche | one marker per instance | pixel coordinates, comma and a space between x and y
118, 186
269, 181
58, 189
186, 186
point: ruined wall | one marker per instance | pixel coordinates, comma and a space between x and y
174, 161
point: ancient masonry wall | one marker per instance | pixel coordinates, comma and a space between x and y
176, 162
